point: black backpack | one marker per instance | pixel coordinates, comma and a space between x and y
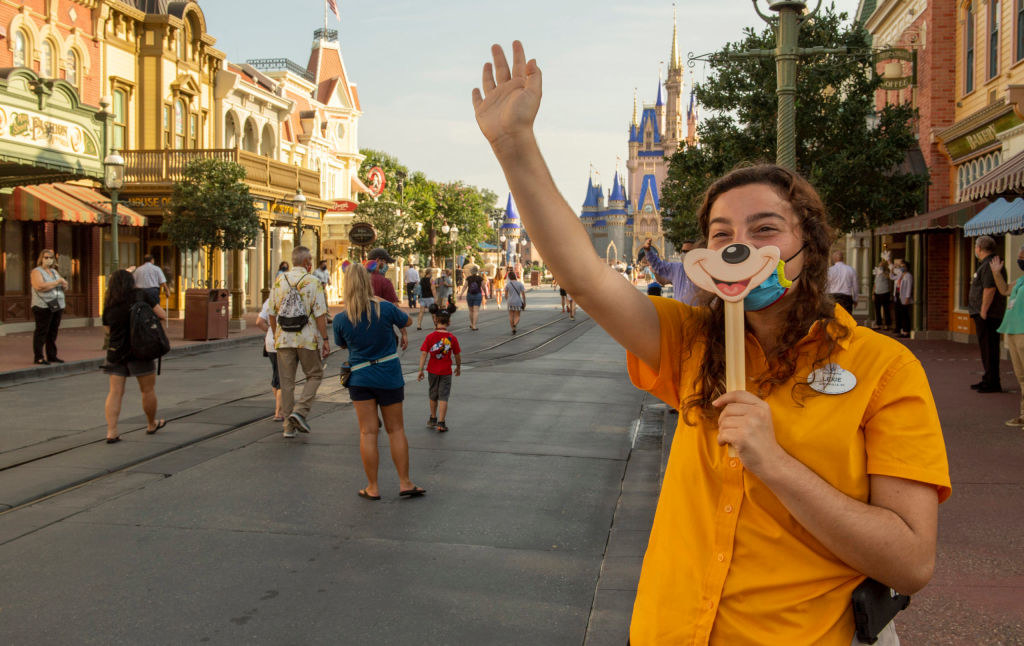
147, 339
473, 286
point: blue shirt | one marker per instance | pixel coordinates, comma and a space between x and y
683, 289
372, 338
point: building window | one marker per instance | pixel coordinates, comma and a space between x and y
167, 126
969, 49
179, 124
993, 38
193, 131
46, 69
120, 130
20, 47
71, 74
1020, 29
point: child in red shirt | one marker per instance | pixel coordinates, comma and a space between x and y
440, 346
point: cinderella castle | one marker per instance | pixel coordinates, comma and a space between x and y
631, 213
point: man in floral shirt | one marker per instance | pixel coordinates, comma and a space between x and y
308, 346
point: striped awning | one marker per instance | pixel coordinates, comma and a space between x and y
67, 203
1006, 178
997, 218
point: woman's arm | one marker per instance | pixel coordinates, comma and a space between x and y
40, 284
160, 313
997, 274
505, 112
262, 323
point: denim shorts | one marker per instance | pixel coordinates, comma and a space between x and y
384, 396
474, 300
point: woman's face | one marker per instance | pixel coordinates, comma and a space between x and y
755, 214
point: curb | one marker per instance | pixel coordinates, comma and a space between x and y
27, 375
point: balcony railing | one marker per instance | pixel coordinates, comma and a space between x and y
165, 166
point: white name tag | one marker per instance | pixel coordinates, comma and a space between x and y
832, 380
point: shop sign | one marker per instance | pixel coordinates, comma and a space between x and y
981, 137
43, 131
343, 206
362, 234
143, 202
261, 205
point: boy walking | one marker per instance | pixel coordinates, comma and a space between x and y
440, 346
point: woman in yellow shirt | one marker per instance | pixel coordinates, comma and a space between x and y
840, 463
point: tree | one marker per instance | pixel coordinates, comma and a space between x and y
851, 155
396, 228
211, 209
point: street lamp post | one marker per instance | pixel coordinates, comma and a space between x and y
113, 180
299, 202
504, 248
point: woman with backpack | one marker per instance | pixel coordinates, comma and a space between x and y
121, 363
474, 291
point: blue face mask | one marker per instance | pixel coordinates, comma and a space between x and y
772, 289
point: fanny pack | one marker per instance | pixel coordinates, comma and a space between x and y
347, 370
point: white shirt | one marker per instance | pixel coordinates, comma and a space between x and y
411, 275
842, 279
268, 340
322, 276
148, 275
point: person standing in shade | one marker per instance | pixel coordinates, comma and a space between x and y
47, 307
426, 294
473, 288
367, 329
904, 294
1013, 326
322, 275
412, 280
986, 307
308, 346
683, 289
515, 296
150, 278
882, 294
842, 282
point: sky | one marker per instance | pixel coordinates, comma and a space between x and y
415, 63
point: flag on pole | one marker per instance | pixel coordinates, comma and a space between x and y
333, 6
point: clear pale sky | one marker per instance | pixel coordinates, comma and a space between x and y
416, 61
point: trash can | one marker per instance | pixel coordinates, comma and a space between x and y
206, 314
535, 278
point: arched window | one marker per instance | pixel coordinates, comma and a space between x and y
47, 67
120, 129
969, 48
179, 123
71, 73
20, 49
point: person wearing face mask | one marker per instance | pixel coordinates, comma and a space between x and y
903, 297
382, 287
1012, 327
839, 463
47, 307
986, 306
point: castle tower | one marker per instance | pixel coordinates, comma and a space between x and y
659, 105
512, 230
674, 91
691, 120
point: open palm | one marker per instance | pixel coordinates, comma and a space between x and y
510, 98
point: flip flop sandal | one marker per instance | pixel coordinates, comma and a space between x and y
159, 425
412, 493
363, 494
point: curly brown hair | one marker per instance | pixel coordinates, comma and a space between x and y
810, 302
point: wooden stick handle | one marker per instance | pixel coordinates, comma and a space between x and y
735, 362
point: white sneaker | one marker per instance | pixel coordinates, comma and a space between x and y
289, 432
300, 421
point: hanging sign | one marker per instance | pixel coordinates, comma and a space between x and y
343, 206
362, 234
375, 181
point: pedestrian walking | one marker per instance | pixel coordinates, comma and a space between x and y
443, 288
426, 295
515, 296
498, 285
282, 268
474, 291
377, 264
665, 272
986, 306
322, 274
47, 307
298, 319
842, 282
904, 298
121, 362
882, 294
150, 278
840, 435
412, 281
1013, 326
269, 351
436, 353
366, 328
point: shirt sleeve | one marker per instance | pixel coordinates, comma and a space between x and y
902, 434
425, 347
389, 292
336, 325
675, 325
456, 349
397, 316
671, 270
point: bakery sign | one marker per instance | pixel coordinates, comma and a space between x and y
43, 131
982, 136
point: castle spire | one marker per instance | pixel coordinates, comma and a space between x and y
659, 101
636, 108
673, 59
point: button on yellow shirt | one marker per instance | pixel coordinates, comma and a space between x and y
726, 563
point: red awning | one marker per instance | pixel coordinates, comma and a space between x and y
953, 216
67, 203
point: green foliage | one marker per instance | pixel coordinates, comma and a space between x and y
211, 207
854, 165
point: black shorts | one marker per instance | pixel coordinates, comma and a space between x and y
384, 396
562, 292
131, 368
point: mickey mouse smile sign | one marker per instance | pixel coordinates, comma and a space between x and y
732, 273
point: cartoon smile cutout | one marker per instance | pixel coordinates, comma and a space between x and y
733, 271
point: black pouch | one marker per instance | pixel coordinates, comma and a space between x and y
346, 374
874, 606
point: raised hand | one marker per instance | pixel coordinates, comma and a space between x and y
510, 98
996, 264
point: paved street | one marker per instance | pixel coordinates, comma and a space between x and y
218, 530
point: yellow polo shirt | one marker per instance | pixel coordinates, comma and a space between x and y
726, 563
